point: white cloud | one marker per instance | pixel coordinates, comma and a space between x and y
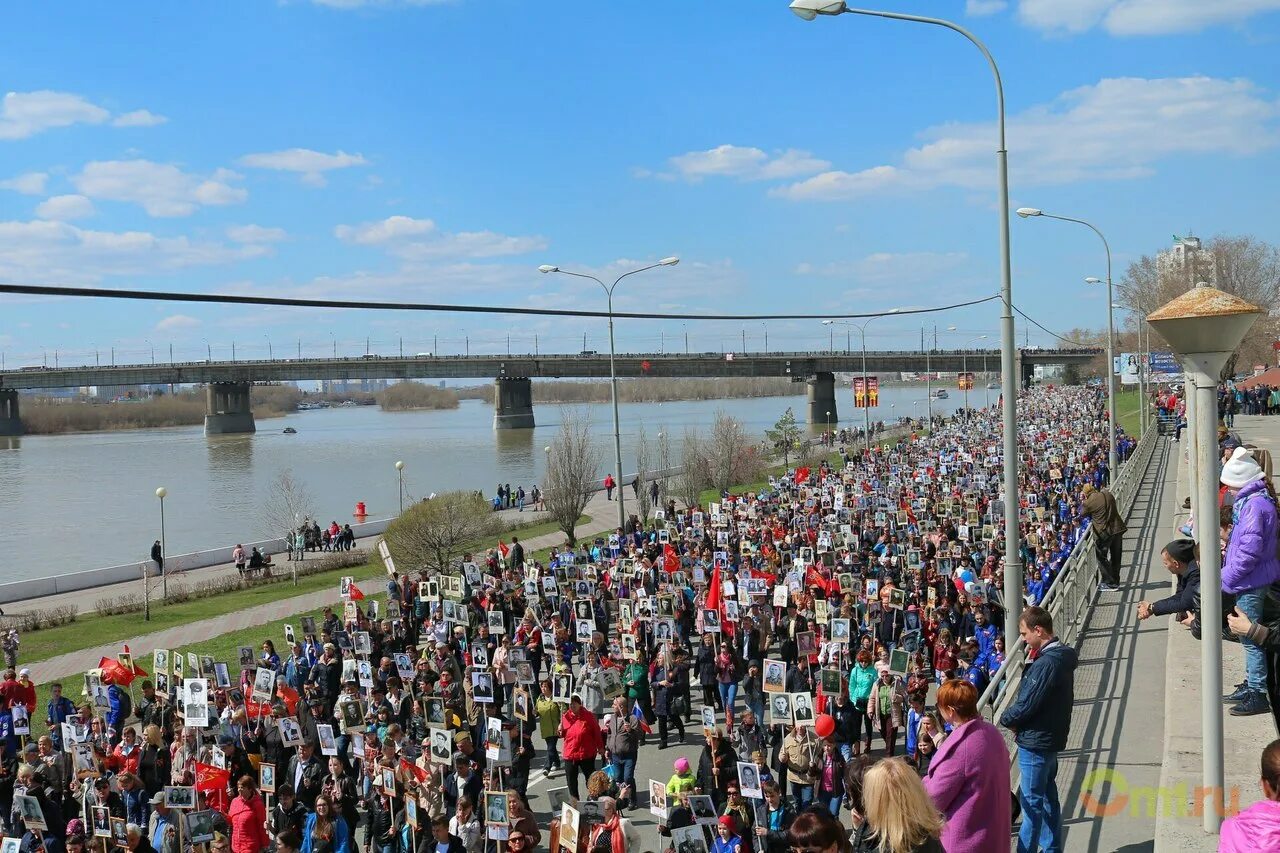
889, 268
161, 189
419, 239
24, 114
743, 163
177, 321
1114, 130
138, 118
979, 8
1138, 17
31, 183
255, 234
64, 208
44, 251
310, 164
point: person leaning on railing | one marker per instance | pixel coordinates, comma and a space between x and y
1180, 558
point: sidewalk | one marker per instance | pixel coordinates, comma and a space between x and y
603, 517
1243, 737
1116, 733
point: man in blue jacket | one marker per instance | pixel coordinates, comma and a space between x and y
1040, 718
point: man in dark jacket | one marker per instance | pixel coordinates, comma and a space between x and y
440, 841
306, 774
1108, 534
1179, 557
1040, 718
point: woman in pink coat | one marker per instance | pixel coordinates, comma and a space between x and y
969, 777
1257, 827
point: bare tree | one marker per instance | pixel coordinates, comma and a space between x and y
287, 506
694, 469
431, 533
571, 473
733, 458
664, 462
643, 501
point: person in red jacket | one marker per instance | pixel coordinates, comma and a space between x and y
248, 817
581, 742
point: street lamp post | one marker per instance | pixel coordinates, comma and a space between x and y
400, 476
866, 396
810, 9
829, 441
164, 570
1112, 464
613, 373
1204, 326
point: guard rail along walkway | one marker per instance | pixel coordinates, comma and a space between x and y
1073, 591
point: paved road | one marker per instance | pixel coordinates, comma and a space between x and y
602, 512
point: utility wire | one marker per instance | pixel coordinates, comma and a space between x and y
1081, 344
280, 301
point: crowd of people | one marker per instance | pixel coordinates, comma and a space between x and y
801, 628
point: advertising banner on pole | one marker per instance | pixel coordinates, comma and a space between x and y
859, 394
966, 381
873, 391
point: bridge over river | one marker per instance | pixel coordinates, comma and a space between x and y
227, 383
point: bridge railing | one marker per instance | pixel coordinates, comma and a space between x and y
1072, 593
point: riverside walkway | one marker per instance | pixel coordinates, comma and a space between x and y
603, 515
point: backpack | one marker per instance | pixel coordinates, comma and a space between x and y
124, 700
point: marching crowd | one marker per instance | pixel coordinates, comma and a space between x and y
829, 636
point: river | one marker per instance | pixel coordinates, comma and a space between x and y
86, 500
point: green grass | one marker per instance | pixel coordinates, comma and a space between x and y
1127, 403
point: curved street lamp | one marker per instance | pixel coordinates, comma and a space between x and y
613, 374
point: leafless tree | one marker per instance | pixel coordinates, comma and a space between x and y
733, 458
571, 473
643, 501
286, 507
664, 462
694, 469
431, 533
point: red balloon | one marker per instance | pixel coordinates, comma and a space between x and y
824, 725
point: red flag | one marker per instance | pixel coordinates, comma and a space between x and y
210, 778
812, 577
419, 773
355, 593
802, 475
670, 559
713, 594
503, 549
114, 672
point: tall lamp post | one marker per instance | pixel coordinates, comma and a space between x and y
164, 570
613, 373
1144, 349
400, 476
1204, 326
810, 9
1112, 464
862, 335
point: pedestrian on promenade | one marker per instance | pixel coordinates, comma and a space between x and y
608, 486
1179, 557
157, 556
1257, 827
1040, 718
1108, 533
1250, 566
968, 778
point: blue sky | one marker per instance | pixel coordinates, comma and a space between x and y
442, 151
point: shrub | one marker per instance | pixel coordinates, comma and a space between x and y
34, 620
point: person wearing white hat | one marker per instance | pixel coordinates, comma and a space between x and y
1250, 566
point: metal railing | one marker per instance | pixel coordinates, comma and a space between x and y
1073, 591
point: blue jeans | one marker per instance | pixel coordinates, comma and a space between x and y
758, 710
846, 751
1255, 660
803, 795
728, 693
831, 802
626, 770
1038, 795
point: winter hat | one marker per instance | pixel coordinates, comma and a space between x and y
726, 820
682, 765
1182, 550
1241, 469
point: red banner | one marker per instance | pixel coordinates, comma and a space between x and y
210, 778
859, 394
965, 381
873, 391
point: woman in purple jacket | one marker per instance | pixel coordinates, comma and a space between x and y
969, 777
1250, 566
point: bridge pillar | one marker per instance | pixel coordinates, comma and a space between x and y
227, 409
512, 403
822, 399
10, 422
